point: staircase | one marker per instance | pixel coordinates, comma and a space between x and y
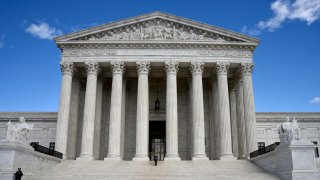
135, 170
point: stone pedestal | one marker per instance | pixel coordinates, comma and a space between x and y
295, 160
14, 155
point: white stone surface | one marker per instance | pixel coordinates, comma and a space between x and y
114, 151
14, 155
64, 106
89, 112
224, 112
73, 119
241, 122
198, 112
249, 108
142, 132
171, 68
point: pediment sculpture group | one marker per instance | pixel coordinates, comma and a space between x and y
156, 31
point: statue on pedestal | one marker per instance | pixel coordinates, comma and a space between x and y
289, 131
19, 132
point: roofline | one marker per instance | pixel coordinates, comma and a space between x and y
162, 15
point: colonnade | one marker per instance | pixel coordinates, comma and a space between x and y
234, 113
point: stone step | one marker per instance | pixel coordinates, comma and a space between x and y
70, 169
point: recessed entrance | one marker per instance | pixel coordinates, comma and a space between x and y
157, 139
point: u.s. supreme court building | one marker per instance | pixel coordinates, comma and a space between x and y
158, 85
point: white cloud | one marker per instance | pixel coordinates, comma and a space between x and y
250, 31
43, 31
315, 100
304, 10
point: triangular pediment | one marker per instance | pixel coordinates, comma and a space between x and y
155, 27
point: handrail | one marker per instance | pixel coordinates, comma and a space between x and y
46, 150
264, 150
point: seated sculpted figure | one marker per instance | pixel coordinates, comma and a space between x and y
285, 131
19, 132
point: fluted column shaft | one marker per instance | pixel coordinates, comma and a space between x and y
64, 107
97, 120
73, 118
249, 109
224, 112
199, 149
171, 68
92, 68
241, 122
233, 117
142, 131
115, 111
123, 116
216, 120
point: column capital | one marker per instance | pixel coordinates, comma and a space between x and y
117, 67
67, 67
143, 67
247, 68
196, 67
171, 67
222, 68
92, 67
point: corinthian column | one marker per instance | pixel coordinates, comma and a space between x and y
249, 110
64, 106
115, 111
240, 121
142, 131
233, 117
171, 68
92, 68
224, 112
199, 149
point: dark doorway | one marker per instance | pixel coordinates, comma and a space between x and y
157, 139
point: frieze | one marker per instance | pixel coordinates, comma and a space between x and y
169, 52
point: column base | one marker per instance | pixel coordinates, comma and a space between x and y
141, 157
172, 157
242, 158
113, 158
86, 157
227, 157
202, 157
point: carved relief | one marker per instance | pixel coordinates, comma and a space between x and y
171, 66
222, 68
196, 67
247, 68
67, 67
117, 67
143, 67
92, 67
157, 29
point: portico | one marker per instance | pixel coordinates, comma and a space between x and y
112, 75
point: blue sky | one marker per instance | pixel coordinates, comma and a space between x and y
287, 64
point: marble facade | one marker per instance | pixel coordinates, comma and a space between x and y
147, 49
112, 74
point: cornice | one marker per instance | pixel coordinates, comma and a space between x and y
164, 16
